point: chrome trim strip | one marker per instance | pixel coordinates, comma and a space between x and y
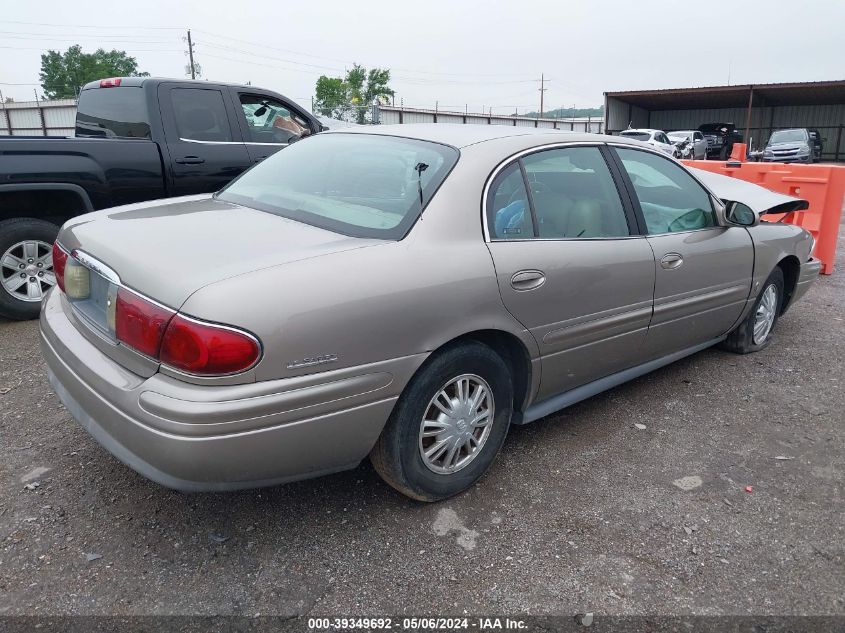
192, 140
96, 265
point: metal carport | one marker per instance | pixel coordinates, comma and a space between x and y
756, 109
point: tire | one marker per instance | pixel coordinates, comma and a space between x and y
397, 455
742, 339
39, 235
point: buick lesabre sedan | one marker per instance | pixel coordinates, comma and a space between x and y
404, 293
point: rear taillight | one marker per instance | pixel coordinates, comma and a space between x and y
113, 82
207, 349
139, 323
59, 262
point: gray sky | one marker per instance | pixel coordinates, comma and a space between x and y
459, 52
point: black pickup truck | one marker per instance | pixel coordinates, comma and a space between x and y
136, 139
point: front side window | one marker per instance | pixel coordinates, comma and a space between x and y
200, 115
671, 199
363, 185
573, 195
270, 121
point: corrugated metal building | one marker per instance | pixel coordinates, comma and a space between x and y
756, 110
38, 118
399, 114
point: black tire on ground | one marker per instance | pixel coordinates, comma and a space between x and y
741, 340
12, 232
397, 456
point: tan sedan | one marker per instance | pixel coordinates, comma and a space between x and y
403, 292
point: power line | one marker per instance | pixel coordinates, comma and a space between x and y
126, 50
95, 26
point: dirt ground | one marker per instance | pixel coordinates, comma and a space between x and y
729, 501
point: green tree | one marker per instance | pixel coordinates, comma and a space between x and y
336, 97
330, 97
63, 74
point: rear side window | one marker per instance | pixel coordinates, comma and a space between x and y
572, 195
119, 112
509, 216
200, 115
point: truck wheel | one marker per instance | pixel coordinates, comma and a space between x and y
755, 332
448, 425
26, 266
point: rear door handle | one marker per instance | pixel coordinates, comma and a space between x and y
671, 261
189, 160
528, 279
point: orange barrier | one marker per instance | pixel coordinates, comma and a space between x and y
823, 186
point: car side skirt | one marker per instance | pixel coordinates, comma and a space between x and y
573, 396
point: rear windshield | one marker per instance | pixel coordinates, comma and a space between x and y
640, 136
788, 136
356, 184
113, 113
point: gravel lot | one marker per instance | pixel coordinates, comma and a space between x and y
581, 512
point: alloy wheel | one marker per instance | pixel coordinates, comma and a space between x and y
26, 270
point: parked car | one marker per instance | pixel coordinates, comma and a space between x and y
797, 145
136, 139
346, 298
720, 139
656, 138
695, 139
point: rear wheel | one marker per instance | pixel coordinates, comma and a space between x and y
448, 424
755, 332
26, 266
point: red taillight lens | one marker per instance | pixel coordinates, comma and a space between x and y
139, 323
59, 262
110, 83
207, 349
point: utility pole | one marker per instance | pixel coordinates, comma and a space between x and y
542, 92
191, 55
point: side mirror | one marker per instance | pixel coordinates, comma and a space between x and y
740, 214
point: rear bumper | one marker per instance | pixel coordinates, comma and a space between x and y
202, 438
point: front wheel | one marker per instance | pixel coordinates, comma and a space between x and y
26, 266
448, 424
755, 331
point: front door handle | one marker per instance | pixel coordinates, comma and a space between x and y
189, 160
528, 279
671, 261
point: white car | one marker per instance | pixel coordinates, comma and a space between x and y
699, 143
656, 138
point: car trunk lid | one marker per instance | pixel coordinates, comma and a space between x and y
170, 249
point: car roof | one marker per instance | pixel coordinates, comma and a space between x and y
641, 130
136, 82
460, 135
